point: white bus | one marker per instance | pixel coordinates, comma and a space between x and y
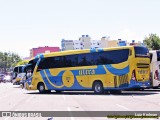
18, 74
155, 68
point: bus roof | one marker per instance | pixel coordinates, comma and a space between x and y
70, 52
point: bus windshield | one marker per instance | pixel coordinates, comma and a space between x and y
32, 64
18, 69
141, 51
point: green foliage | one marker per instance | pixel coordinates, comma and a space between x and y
8, 60
152, 42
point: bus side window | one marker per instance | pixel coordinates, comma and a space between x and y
85, 59
70, 61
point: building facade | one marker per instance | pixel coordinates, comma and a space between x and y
133, 43
67, 45
46, 49
85, 42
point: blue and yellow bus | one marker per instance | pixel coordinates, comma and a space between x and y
98, 70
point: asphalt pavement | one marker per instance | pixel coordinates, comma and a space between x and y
13, 98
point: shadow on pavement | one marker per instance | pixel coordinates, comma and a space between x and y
153, 90
124, 93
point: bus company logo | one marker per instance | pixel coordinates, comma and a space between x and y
6, 114
87, 72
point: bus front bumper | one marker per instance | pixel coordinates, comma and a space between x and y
137, 84
27, 86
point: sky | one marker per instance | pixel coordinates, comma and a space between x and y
27, 24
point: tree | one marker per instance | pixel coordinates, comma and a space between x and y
8, 60
152, 42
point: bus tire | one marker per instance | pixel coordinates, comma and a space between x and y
41, 88
98, 87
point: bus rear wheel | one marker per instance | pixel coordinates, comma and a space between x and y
98, 87
41, 88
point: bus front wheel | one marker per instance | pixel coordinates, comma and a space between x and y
98, 87
41, 88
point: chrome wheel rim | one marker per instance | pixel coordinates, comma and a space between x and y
41, 88
98, 88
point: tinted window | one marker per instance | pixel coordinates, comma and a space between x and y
51, 62
70, 61
141, 51
158, 55
102, 58
56, 62
18, 69
15, 69
33, 63
44, 64
111, 57
85, 59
